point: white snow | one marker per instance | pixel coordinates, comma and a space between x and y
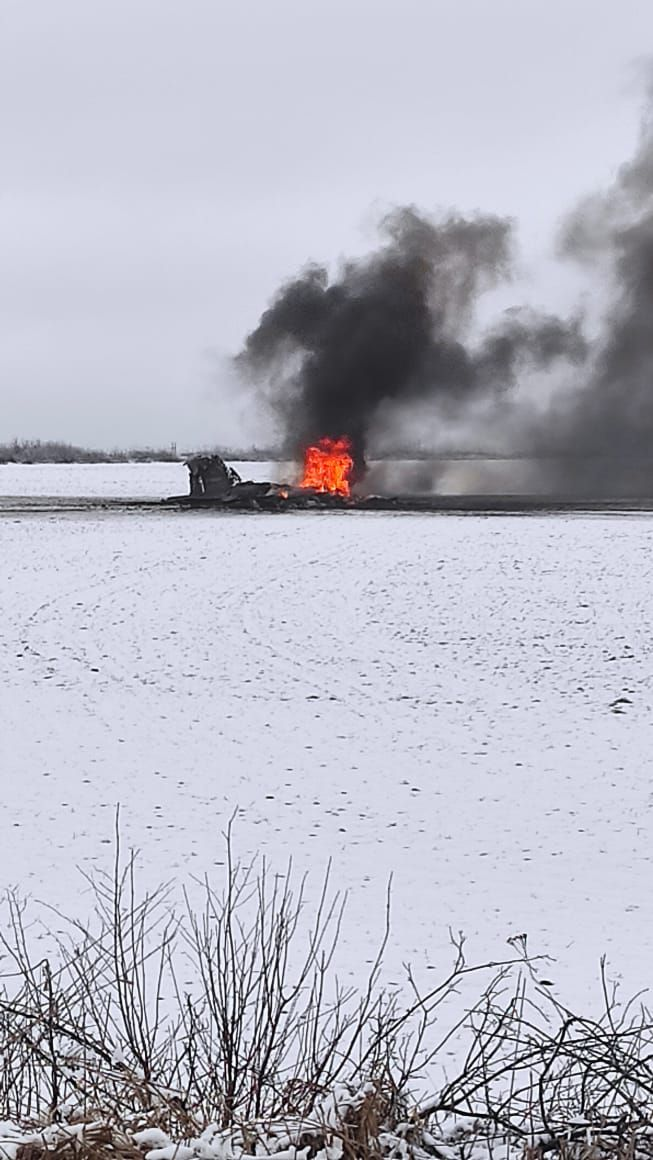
171, 1152
428, 696
114, 480
152, 1138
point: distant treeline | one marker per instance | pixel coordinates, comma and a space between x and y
253, 454
38, 451
51, 451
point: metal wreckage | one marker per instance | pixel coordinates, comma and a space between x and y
214, 484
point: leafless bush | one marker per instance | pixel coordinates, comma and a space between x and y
104, 1030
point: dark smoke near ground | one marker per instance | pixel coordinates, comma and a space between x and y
604, 431
396, 330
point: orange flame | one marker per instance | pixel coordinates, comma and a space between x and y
328, 465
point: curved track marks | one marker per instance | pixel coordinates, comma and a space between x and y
433, 697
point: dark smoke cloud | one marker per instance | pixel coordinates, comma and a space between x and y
394, 333
393, 328
604, 431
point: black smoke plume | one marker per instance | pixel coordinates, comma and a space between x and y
395, 330
394, 327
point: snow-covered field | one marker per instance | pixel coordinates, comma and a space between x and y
428, 696
113, 480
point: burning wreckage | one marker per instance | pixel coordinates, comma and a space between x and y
329, 473
326, 482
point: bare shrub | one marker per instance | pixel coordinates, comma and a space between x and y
264, 1043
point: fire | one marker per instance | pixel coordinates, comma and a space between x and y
328, 465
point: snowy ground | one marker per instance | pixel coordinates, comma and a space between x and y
114, 480
424, 695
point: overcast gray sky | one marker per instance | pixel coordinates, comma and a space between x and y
166, 163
